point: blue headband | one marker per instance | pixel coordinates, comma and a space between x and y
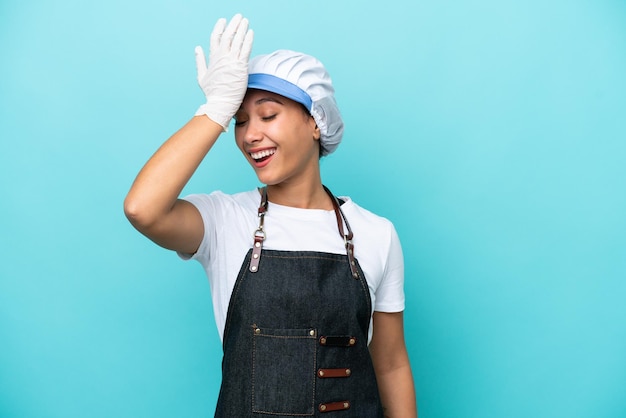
280, 86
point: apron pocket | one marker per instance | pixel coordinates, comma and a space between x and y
283, 371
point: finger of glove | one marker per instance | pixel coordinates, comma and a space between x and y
239, 36
246, 46
229, 33
216, 35
201, 66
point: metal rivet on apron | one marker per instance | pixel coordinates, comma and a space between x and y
346, 405
312, 333
323, 340
257, 244
352, 341
253, 268
320, 373
255, 256
257, 331
322, 407
348, 372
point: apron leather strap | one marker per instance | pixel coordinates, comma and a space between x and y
259, 234
347, 238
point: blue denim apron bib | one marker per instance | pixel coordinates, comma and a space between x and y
295, 340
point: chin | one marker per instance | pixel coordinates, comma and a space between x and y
267, 180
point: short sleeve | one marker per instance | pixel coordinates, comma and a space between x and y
209, 208
390, 292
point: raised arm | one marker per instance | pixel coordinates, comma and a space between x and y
152, 204
391, 363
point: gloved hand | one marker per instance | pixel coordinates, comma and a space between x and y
225, 80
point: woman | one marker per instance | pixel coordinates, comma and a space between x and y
306, 287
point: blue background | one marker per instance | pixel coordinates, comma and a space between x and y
492, 133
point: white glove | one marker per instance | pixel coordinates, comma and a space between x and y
225, 80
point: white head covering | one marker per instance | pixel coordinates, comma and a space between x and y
301, 78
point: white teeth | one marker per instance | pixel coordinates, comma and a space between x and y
261, 154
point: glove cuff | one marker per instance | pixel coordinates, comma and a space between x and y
213, 113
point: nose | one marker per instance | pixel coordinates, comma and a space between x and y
252, 132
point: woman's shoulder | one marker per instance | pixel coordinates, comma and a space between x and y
367, 226
354, 211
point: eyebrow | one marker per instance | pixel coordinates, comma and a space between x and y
267, 99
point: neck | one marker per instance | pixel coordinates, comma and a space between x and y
305, 196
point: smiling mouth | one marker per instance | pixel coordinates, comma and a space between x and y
263, 155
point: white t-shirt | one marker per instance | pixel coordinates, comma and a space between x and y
230, 222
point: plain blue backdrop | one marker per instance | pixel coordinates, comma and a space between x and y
492, 133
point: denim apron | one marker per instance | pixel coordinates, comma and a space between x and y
295, 340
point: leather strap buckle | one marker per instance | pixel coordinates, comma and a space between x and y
259, 234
